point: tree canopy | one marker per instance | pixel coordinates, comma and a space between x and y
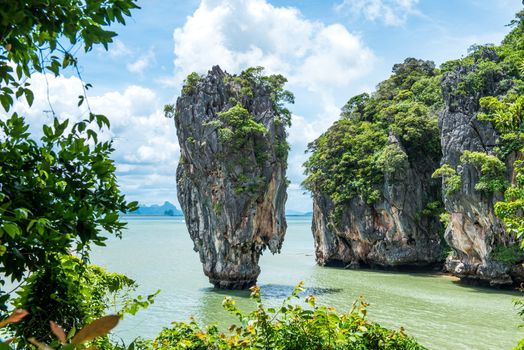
58, 193
353, 156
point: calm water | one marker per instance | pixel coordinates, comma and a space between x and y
439, 312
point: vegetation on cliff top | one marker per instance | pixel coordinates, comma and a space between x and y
353, 156
238, 131
485, 68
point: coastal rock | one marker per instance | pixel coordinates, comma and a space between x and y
392, 232
474, 230
232, 190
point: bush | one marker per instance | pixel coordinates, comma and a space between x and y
452, 181
292, 326
72, 294
510, 255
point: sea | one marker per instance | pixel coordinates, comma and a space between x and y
438, 310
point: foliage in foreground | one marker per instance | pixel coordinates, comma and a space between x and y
59, 192
72, 294
292, 326
62, 340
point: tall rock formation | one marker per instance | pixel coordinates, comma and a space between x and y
393, 231
231, 179
474, 231
374, 201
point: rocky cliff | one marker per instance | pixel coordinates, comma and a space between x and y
231, 179
393, 231
374, 201
474, 231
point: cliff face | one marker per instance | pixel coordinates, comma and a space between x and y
394, 231
473, 231
231, 179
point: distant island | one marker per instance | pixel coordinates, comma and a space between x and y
166, 209
169, 209
298, 213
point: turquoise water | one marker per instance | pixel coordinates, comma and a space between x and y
438, 311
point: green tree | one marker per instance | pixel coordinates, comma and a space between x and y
58, 193
42, 35
353, 156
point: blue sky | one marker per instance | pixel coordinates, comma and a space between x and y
329, 50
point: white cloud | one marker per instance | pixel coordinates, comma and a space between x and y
236, 34
146, 147
119, 49
142, 63
390, 12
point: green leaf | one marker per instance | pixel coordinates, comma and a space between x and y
102, 120
6, 101
12, 229
29, 97
19, 71
92, 134
48, 131
21, 213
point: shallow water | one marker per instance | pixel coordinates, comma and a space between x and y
438, 311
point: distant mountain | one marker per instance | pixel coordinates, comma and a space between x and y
169, 209
166, 209
298, 213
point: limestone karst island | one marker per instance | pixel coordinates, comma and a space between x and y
261, 174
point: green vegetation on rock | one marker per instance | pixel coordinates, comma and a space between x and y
510, 254
238, 125
505, 111
452, 181
190, 84
237, 129
353, 156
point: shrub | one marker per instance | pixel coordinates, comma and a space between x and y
189, 86
72, 294
492, 171
452, 181
510, 254
297, 326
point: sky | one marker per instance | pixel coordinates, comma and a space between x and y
330, 50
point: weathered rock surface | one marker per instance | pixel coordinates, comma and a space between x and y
474, 230
232, 197
393, 232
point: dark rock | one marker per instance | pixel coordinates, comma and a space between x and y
233, 199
